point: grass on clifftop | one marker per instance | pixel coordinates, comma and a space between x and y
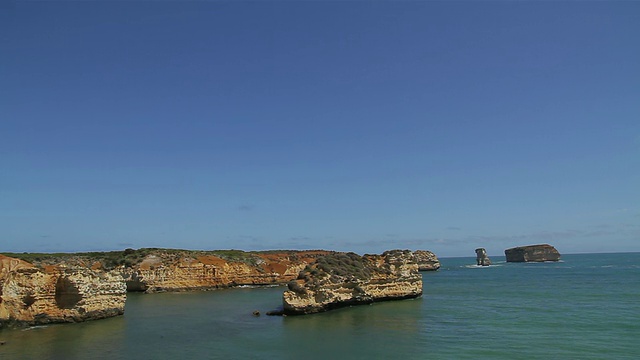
339, 264
129, 257
109, 259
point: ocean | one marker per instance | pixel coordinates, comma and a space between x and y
585, 307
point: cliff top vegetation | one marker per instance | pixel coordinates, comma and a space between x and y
132, 257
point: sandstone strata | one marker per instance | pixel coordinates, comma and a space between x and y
426, 260
180, 271
83, 286
38, 295
481, 257
532, 253
344, 279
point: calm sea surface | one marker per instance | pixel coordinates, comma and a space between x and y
585, 307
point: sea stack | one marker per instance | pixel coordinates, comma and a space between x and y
345, 279
532, 253
481, 257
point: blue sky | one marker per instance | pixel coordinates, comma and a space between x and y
351, 126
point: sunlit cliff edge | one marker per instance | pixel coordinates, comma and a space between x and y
340, 280
72, 287
32, 295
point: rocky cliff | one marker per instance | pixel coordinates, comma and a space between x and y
532, 253
344, 279
44, 288
153, 269
38, 295
190, 270
426, 260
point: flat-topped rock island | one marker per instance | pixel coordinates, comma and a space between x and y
532, 253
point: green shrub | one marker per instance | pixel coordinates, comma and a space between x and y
296, 288
342, 265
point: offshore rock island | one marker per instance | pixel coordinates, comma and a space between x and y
532, 253
482, 259
340, 280
73, 287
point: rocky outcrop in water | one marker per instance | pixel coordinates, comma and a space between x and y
32, 295
83, 286
426, 260
532, 253
481, 257
344, 279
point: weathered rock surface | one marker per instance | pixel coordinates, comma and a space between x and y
38, 295
532, 253
344, 279
426, 260
176, 271
481, 257
83, 286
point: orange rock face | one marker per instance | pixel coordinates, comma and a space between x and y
170, 272
32, 295
86, 286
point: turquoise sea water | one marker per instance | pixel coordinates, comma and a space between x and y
585, 307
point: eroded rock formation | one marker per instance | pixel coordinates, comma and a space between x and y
426, 260
481, 257
83, 286
171, 271
532, 253
344, 279
38, 295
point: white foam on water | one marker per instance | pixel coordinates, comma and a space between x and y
480, 266
35, 327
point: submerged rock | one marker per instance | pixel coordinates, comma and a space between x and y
481, 257
532, 253
344, 279
278, 312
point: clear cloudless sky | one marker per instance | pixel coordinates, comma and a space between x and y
351, 126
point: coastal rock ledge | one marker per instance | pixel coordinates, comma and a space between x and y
344, 279
426, 260
31, 295
532, 253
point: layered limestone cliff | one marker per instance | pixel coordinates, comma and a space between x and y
153, 269
426, 260
344, 279
83, 286
532, 253
180, 271
38, 295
